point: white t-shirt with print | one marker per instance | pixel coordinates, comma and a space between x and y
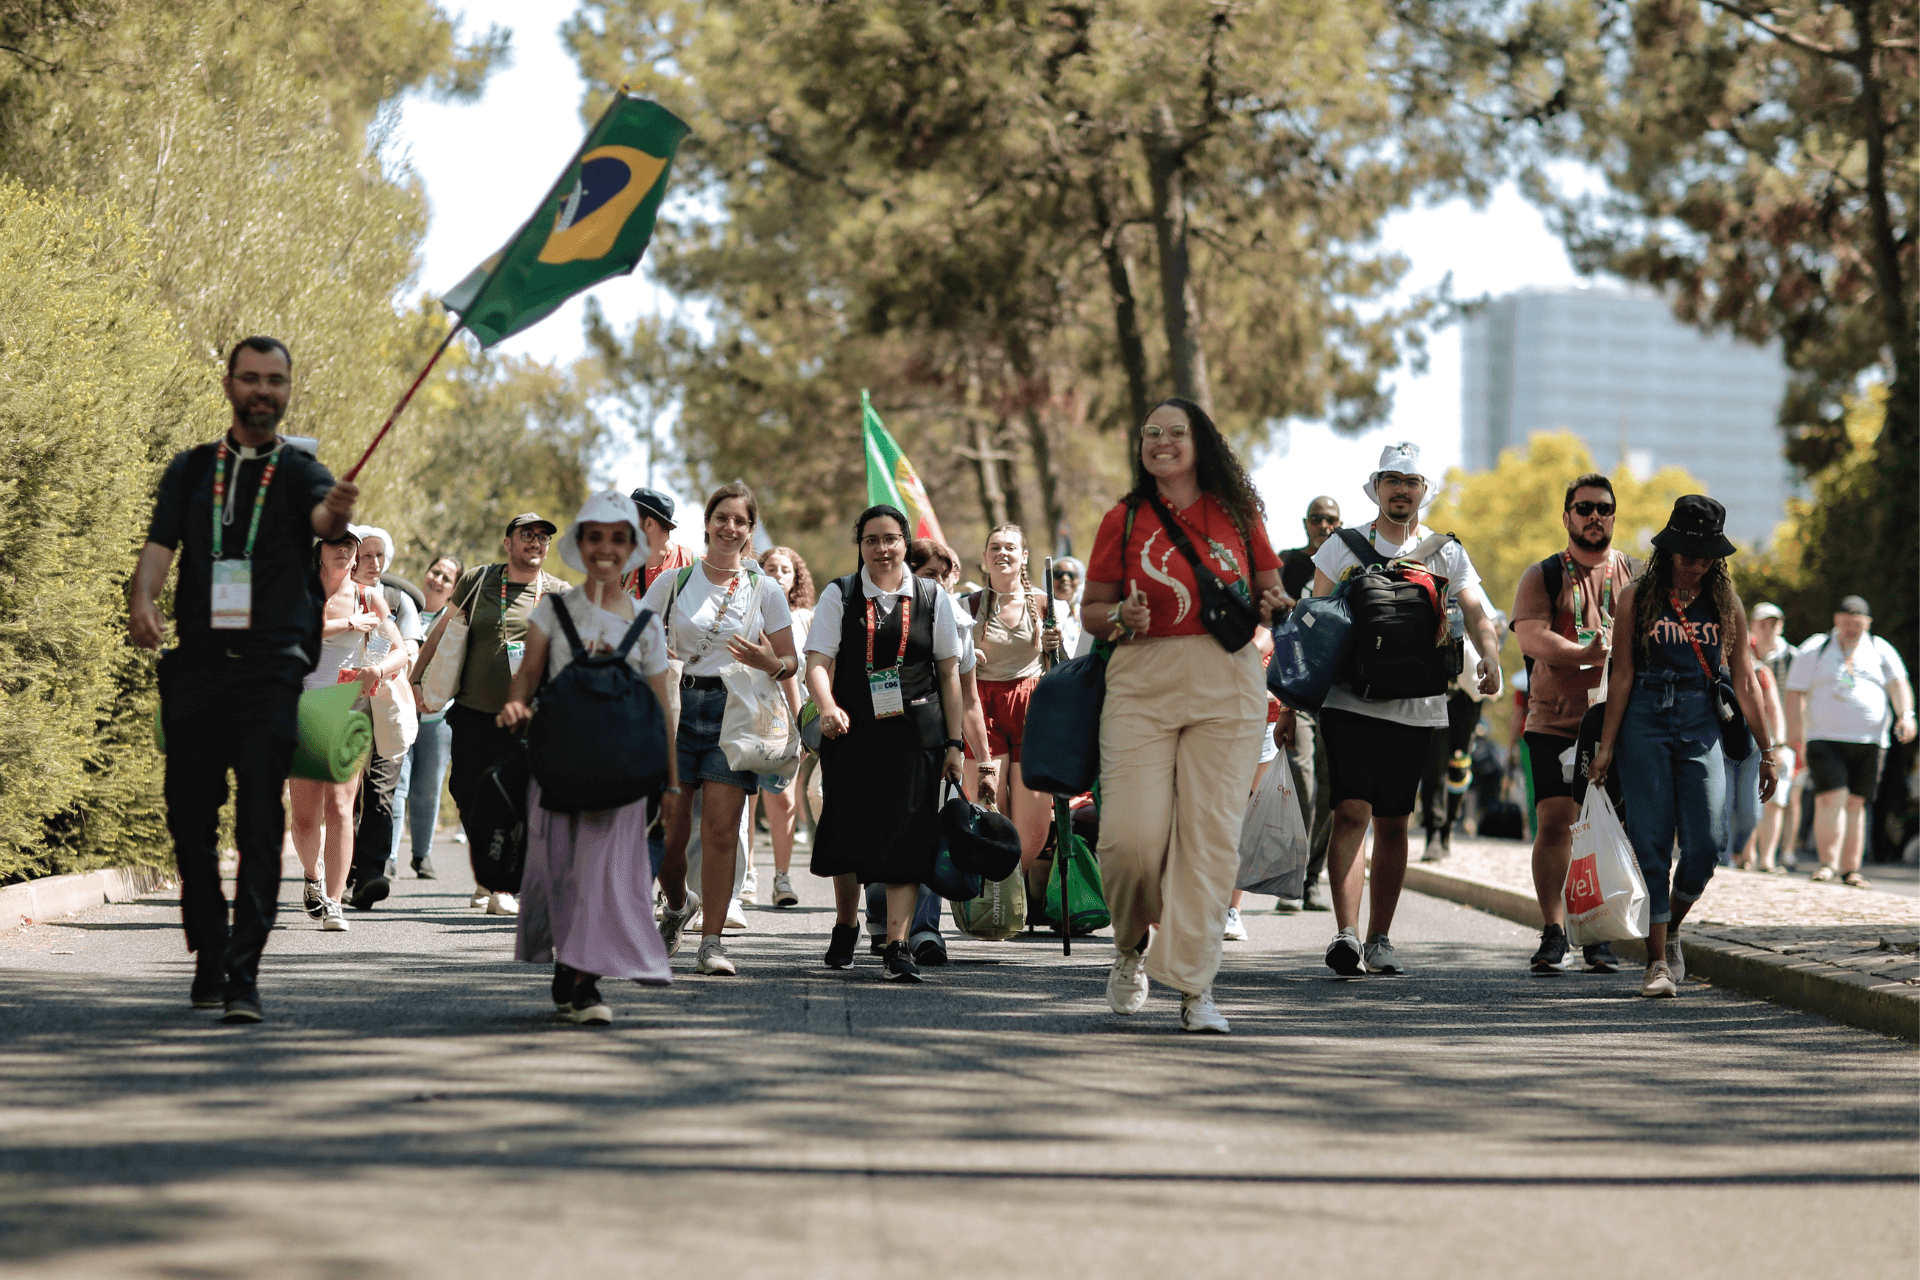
829, 611
705, 613
1840, 709
1334, 558
601, 630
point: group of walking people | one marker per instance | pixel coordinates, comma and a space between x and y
909, 694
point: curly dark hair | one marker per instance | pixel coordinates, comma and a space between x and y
1216, 466
800, 595
1655, 584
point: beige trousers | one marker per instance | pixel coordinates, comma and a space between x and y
1179, 741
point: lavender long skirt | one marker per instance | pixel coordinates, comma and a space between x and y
586, 897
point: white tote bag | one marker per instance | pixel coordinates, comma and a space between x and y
1273, 837
757, 732
442, 679
1606, 895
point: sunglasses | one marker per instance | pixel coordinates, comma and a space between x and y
1593, 508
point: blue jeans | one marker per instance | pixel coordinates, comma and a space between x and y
1673, 780
926, 915
422, 783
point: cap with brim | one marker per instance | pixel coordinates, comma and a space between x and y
652, 502
1855, 604
1401, 459
1767, 609
609, 507
1696, 529
531, 520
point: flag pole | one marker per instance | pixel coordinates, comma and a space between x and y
388, 425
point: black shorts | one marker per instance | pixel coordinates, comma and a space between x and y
1378, 761
1543, 763
1853, 765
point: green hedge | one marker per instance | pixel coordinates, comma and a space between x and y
97, 390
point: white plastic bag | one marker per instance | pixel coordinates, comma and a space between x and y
1273, 837
1605, 895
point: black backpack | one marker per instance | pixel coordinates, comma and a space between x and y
599, 740
1402, 645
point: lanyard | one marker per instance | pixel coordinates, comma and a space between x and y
220, 514
1606, 593
906, 621
503, 596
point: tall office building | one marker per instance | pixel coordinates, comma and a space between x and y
1638, 387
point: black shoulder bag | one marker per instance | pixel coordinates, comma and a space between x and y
1227, 616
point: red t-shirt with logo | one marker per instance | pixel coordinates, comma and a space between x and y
1150, 561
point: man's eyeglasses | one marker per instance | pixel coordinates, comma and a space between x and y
1593, 508
1154, 431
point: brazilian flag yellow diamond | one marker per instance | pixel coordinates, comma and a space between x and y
594, 224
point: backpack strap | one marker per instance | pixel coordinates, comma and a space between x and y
565, 615
1362, 547
640, 621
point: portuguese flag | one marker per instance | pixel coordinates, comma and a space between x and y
593, 224
892, 479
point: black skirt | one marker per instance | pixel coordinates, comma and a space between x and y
880, 817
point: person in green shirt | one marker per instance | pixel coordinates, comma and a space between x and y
495, 600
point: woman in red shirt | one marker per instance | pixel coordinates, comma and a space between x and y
1180, 732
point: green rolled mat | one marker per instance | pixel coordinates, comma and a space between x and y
335, 740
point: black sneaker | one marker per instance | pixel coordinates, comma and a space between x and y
1600, 958
931, 953
361, 897
240, 1009
423, 869
840, 946
1552, 955
900, 965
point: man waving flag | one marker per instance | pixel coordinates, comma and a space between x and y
892, 479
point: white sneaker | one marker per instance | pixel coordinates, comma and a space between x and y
736, 918
1197, 1013
783, 894
479, 898
674, 924
1235, 930
332, 919
1127, 981
1676, 959
713, 957
750, 887
1379, 956
1658, 982
502, 904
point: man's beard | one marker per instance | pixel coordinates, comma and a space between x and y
257, 418
1598, 540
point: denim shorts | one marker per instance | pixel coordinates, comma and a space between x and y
701, 759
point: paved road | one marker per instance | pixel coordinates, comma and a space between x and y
414, 1110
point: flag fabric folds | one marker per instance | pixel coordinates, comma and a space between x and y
892, 479
593, 224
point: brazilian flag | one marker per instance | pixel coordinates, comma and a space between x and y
594, 223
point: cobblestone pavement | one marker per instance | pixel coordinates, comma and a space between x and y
1866, 930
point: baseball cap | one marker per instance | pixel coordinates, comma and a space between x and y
1854, 604
1767, 609
652, 502
531, 520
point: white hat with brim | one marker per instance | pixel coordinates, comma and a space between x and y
1401, 459
606, 507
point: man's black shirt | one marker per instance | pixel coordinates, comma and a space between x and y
286, 593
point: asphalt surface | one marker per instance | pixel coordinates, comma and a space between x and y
414, 1108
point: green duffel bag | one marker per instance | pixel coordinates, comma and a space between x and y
999, 913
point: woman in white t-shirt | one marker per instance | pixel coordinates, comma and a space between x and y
586, 902
717, 613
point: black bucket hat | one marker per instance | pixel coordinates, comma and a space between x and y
1696, 529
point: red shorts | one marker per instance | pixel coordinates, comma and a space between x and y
1004, 703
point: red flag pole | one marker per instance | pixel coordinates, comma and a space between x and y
388, 424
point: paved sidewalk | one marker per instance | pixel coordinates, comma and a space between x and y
1850, 954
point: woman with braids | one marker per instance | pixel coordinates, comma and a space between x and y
1009, 639
1678, 621
1180, 731
780, 796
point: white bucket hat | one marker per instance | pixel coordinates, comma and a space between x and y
610, 507
1402, 459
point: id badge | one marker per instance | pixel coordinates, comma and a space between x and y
516, 650
884, 688
232, 595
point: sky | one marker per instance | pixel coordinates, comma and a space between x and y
485, 163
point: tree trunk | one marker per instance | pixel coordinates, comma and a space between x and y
1126, 314
1166, 173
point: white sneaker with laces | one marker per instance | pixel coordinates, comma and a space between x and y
783, 894
736, 918
479, 898
713, 957
1236, 929
1197, 1013
1127, 981
750, 888
502, 904
1676, 959
674, 924
1379, 956
332, 919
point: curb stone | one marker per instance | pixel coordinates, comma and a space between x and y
1857, 999
35, 901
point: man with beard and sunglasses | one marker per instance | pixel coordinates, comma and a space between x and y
1563, 616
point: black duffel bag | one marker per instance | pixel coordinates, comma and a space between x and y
599, 738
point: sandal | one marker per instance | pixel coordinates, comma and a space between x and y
1821, 876
1855, 880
